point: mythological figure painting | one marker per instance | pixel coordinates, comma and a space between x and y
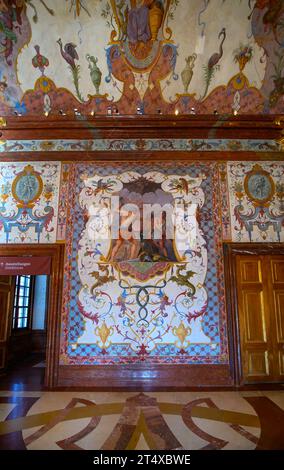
156, 247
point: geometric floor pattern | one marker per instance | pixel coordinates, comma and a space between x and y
153, 420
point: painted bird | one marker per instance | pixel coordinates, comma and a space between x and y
39, 61
213, 62
214, 59
69, 53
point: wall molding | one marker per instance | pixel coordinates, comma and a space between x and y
225, 126
141, 145
148, 138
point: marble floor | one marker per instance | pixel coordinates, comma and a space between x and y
154, 420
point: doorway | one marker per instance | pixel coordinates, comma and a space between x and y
30, 303
28, 322
255, 288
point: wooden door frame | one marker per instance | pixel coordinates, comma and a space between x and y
6, 322
56, 253
231, 250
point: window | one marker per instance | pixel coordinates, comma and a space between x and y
22, 302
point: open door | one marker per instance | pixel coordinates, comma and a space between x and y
6, 305
33, 260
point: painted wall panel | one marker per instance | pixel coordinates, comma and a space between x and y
130, 301
29, 202
257, 201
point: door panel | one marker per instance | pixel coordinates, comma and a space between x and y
254, 313
260, 291
258, 364
254, 319
279, 314
6, 298
276, 290
277, 270
250, 271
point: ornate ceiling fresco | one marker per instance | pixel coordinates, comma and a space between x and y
155, 55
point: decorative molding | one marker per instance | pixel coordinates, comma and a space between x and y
132, 145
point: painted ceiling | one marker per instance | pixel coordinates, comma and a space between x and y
157, 56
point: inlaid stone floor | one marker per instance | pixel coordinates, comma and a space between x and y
152, 420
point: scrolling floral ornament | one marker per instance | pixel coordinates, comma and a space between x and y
144, 293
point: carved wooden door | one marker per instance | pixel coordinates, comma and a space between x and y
261, 317
6, 304
275, 266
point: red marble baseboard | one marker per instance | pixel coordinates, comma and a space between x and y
131, 377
